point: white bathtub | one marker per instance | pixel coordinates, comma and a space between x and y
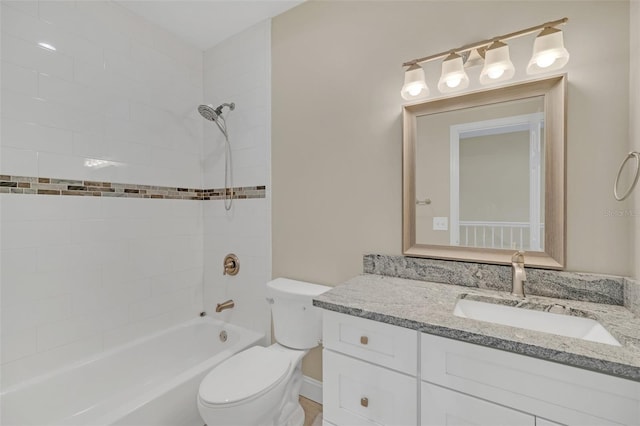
151, 381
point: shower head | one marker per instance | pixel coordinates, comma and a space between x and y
208, 112
213, 114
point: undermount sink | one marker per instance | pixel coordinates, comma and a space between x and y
534, 318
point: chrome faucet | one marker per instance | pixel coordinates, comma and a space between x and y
518, 274
225, 305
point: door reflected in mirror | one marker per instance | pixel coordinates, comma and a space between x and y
492, 160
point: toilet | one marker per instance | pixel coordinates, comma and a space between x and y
260, 385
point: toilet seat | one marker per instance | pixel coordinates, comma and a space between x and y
244, 376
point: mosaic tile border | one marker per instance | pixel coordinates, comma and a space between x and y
51, 186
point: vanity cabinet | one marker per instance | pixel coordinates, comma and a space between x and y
369, 372
379, 374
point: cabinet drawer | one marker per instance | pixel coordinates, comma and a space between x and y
383, 344
564, 394
359, 393
441, 406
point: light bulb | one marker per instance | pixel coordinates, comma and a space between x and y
414, 89
453, 81
495, 72
544, 61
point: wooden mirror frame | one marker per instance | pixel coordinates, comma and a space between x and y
554, 92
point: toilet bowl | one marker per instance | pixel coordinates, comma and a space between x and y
260, 385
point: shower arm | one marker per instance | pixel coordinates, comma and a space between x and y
231, 106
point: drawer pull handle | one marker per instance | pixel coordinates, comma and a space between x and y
364, 340
364, 402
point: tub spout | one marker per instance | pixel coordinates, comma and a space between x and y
225, 305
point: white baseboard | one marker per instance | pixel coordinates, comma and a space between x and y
311, 389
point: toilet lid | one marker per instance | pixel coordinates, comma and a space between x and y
244, 375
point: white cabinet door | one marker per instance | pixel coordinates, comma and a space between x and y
441, 406
358, 393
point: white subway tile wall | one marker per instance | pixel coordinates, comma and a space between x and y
82, 274
239, 70
116, 88
93, 269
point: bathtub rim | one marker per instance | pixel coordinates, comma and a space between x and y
119, 348
203, 368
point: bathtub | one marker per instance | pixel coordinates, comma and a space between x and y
151, 381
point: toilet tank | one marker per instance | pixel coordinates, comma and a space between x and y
297, 323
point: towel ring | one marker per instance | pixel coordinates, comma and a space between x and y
632, 154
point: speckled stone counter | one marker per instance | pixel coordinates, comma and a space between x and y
428, 307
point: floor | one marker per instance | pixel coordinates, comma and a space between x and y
311, 411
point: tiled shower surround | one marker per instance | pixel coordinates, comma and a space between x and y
48, 186
112, 220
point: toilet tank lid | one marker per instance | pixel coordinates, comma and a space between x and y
302, 288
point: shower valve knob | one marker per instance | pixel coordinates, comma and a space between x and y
231, 265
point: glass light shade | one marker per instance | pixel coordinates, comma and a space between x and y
453, 75
549, 52
414, 83
497, 64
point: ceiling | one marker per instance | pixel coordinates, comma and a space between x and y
205, 23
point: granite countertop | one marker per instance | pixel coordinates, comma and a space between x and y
428, 307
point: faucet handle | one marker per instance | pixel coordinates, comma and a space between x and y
518, 257
231, 265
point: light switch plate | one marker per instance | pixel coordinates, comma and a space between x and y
440, 223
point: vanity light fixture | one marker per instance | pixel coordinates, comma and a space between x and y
497, 64
453, 75
415, 86
549, 54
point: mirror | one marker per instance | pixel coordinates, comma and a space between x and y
483, 175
